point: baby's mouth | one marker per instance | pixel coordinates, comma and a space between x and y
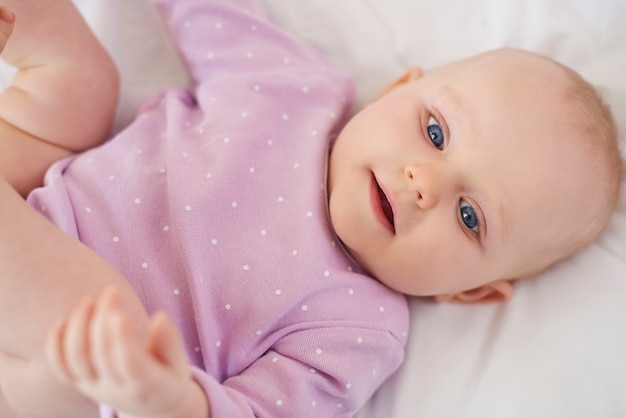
385, 205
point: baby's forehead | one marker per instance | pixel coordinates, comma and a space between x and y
514, 65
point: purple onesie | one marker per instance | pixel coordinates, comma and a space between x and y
213, 205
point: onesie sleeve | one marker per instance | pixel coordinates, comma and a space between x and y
223, 38
326, 371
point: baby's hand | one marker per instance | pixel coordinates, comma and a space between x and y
7, 20
97, 349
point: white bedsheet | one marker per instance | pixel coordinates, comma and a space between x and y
556, 349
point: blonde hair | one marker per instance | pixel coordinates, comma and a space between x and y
595, 128
592, 119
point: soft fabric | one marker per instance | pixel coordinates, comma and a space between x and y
212, 203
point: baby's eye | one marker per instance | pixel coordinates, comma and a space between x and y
435, 133
468, 216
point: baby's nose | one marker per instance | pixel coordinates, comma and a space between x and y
427, 182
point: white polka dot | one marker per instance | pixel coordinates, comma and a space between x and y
351, 291
333, 115
374, 372
116, 239
218, 25
309, 214
88, 210
185, 155
279, 402
252, 170
246, 267
201, 130
318, 351
256, 87
305, 89
137, 201
327, 273
381, 308
348, 385
166, 228
263, 232
286, 60
144, 265
249, 55
313, 403
339, 405
208, 175
350, 268
111, 178
209, 55
162, 170
218, 343
244, 114
296, 165
281, 199
228, 307
285, 116
312, 370
234, 204
214, 241
226, 140
274, 359
176, 292
196, 349
313, 133
270, 142
259, 332
278, 292
359, 340
188, 208
305, 308
294, 252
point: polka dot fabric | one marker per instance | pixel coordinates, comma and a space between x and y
212, 203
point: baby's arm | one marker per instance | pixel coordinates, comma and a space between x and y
64, 94
96, 350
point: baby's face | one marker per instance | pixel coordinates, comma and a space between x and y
458, 179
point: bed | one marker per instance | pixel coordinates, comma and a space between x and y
556, 349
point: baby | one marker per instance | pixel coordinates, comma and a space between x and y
240, 250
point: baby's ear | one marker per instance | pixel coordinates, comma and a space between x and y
411, 75
493, 292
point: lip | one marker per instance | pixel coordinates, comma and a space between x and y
377, 195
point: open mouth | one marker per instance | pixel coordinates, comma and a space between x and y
383, 208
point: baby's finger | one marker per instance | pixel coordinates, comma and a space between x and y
77, 344
7, 20
55, 351
101, 336
127, 353
167, 345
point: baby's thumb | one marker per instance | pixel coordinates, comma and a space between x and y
7, 20
166, 343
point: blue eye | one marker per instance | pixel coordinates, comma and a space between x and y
468, 215
435, 133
